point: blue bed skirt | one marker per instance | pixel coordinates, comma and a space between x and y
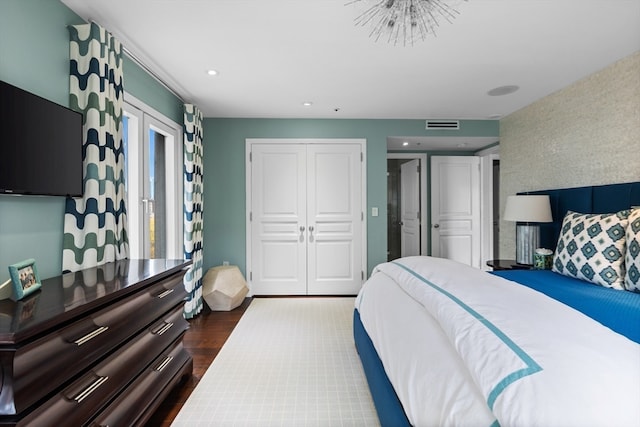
388, 406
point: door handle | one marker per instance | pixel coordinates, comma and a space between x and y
310, 230
436, 225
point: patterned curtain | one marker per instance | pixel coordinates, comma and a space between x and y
95, 225
193, 208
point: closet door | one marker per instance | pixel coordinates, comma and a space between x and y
306, 219
278, 210
334, 219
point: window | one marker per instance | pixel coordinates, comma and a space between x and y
153, 177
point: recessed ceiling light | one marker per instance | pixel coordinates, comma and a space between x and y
503, 90
307, 104
404, 144
212, 72
461, 145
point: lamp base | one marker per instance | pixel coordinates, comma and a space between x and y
527, 241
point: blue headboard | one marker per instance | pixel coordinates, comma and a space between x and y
594, 199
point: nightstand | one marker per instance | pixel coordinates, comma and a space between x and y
507, 264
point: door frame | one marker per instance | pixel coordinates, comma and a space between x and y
248, 192
424, 229
487, 156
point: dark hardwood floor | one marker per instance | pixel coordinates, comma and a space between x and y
204, 339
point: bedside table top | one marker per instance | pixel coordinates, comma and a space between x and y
507, 264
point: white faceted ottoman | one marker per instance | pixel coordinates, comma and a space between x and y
224, 288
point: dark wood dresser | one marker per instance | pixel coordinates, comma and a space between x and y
99, 347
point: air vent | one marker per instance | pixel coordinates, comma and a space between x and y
443, 124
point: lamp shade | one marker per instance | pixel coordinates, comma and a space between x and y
528, 208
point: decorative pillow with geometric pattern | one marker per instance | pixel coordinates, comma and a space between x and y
632, 259
592, 247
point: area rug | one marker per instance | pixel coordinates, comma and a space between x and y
288, 362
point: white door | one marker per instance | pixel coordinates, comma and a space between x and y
334, 219
410, 208
278, 211
306, 221
455, 208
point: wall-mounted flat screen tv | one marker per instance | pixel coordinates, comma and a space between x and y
40, 145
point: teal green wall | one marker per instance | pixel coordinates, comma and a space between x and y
34, 55
224, 169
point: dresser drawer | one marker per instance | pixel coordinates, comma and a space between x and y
166, 371
87, 395
62, 355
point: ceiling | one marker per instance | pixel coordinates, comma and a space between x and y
274, 55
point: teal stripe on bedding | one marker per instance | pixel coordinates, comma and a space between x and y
531, 368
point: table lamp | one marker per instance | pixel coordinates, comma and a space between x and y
527, 211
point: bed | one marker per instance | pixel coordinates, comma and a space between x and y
446, 344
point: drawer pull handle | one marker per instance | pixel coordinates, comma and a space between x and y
92, 387
165, 328
165, 293
91, 335
164, 364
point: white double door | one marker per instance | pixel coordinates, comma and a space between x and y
306, 220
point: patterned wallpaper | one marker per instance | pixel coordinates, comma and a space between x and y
585, 134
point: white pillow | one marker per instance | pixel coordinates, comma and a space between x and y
632, 258
592, 247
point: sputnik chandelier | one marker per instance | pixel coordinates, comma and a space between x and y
405, 21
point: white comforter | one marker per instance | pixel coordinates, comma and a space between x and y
464, 347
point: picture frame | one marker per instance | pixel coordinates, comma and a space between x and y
25, 278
